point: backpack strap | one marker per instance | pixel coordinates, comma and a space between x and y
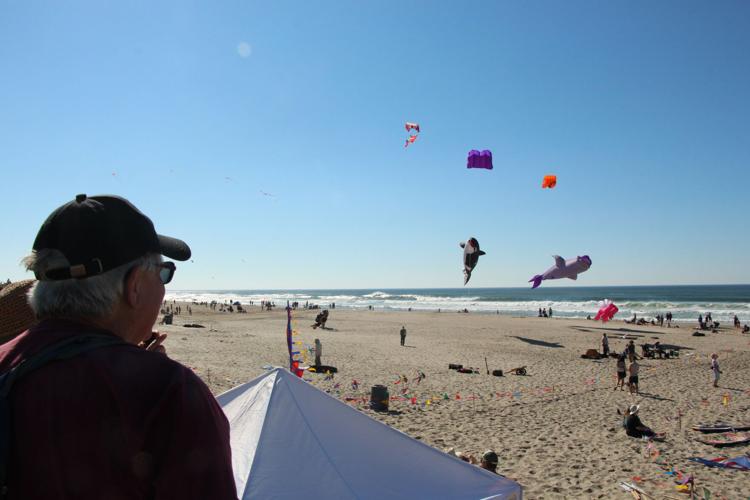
64, 349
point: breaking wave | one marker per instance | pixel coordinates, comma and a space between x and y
516, 302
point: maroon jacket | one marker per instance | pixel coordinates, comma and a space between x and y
117, 422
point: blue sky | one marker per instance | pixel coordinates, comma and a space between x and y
641, 108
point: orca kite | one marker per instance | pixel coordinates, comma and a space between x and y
471, 257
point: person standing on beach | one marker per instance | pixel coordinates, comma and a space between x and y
620, 373
715, 368
403, 335
605, 345
550, 311
633, 380
112, 416
318, 352
630, 349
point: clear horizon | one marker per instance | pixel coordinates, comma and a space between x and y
270, 137
546, 285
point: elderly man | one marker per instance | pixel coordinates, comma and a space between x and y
96, 409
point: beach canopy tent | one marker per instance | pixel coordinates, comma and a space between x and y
291, 440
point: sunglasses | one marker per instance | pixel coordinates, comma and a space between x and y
166, 272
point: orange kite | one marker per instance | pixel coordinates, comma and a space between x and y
549, 181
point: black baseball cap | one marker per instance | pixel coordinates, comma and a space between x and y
99, 233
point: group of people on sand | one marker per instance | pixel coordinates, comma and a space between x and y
657, 320
543, 313
704, 322
707, 323
631, 422
232, 308
267, 305
661, 318
631, 371
738, 325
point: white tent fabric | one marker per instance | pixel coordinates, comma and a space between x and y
291, 440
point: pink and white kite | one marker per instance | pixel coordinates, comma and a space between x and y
607, 310
413, 130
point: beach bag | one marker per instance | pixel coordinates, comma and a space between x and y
379, 398
497, 373
16, 315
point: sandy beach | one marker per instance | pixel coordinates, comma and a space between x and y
556, 430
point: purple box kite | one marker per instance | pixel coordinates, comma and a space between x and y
478, 159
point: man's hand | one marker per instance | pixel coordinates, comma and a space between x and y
154, 343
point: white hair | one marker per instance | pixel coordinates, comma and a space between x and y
93, 297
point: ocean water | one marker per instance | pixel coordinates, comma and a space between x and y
685, 302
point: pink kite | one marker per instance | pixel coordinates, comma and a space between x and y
413, 129
412, 126
607, 310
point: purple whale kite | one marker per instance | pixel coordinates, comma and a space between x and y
478, 159
563, 269
471, 257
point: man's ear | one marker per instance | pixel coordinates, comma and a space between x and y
133, 287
